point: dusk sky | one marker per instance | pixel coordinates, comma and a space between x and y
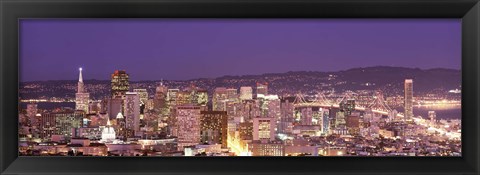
180, 49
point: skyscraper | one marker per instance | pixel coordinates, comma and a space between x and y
187, 125
119, 83
262, 88
214, 127
408, 104
246, 93
81, 97
263, 128
132, 111
219, 99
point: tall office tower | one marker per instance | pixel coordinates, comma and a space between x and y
286, 115
245, 130
432, 116
184, 97
143, 95
160, 98
262, 88
326, 122
219, 99
246, 93
263, 128
32, 114
119, 84
201, 98
340, 119
187, 125
132, 111
306, 116
353, 124
172, 96
232, 94
213, 127
81, 97
349, 107
408, 104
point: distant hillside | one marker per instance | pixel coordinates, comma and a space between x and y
388, 79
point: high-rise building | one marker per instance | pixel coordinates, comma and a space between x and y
201, 98
219, 99
132, 111
81, 97
263, 128
408, 104
143, 94
245, 130
432, 116
286, 115
32, 114
160, 98
119, 83
262, 88
172, 96
213, 127
187, 125
246, 93
60, 123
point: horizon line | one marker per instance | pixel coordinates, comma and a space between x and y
191, 79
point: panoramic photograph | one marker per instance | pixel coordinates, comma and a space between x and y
240, 87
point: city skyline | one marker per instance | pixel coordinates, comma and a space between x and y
199, 47
316, 88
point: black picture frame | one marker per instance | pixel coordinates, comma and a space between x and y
12, 10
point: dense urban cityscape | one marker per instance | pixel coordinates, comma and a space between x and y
324, 115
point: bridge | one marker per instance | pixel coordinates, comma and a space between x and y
377, 105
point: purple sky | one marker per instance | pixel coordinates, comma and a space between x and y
182, 49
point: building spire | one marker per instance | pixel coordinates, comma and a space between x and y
80, 78
80, 88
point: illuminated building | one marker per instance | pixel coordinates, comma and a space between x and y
108, 133
201, 98
326, 122
32, 114
143, 95
263, 128
408, 103
184, 97
172, 96
267, 148
332, 151
353, 124
81, 97
60, 123
306, 115
132, 111
286, 115
213, 127
187, 125
246, 93
340, 119
246, 130
119, 84
94, 107
349, 107
219, 99
432, 116
262, 88
160, 95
